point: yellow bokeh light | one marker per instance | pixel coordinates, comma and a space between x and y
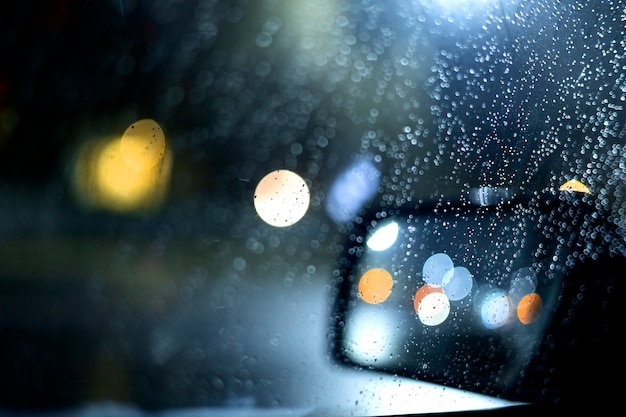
120, 183
575, 185
375, 286
142, 145
118, 174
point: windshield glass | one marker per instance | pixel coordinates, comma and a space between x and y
188, 189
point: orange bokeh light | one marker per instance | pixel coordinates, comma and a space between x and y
529, 308
375, 286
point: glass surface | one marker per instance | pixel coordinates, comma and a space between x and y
464, 295
181, 182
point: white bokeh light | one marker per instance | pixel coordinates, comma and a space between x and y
384, 237
373, 335
434, 309
495, 309
281, 198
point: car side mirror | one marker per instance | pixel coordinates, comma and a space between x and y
465, 294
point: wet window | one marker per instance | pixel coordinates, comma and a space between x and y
352, 206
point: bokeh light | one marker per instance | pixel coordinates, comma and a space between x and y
436, 267
281, 198
142, 144
375, 286
384, 237
495, 309
127, 174
434, 309
351, 190
529, 308
422, 292
374, 336
576, 186
457, 283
